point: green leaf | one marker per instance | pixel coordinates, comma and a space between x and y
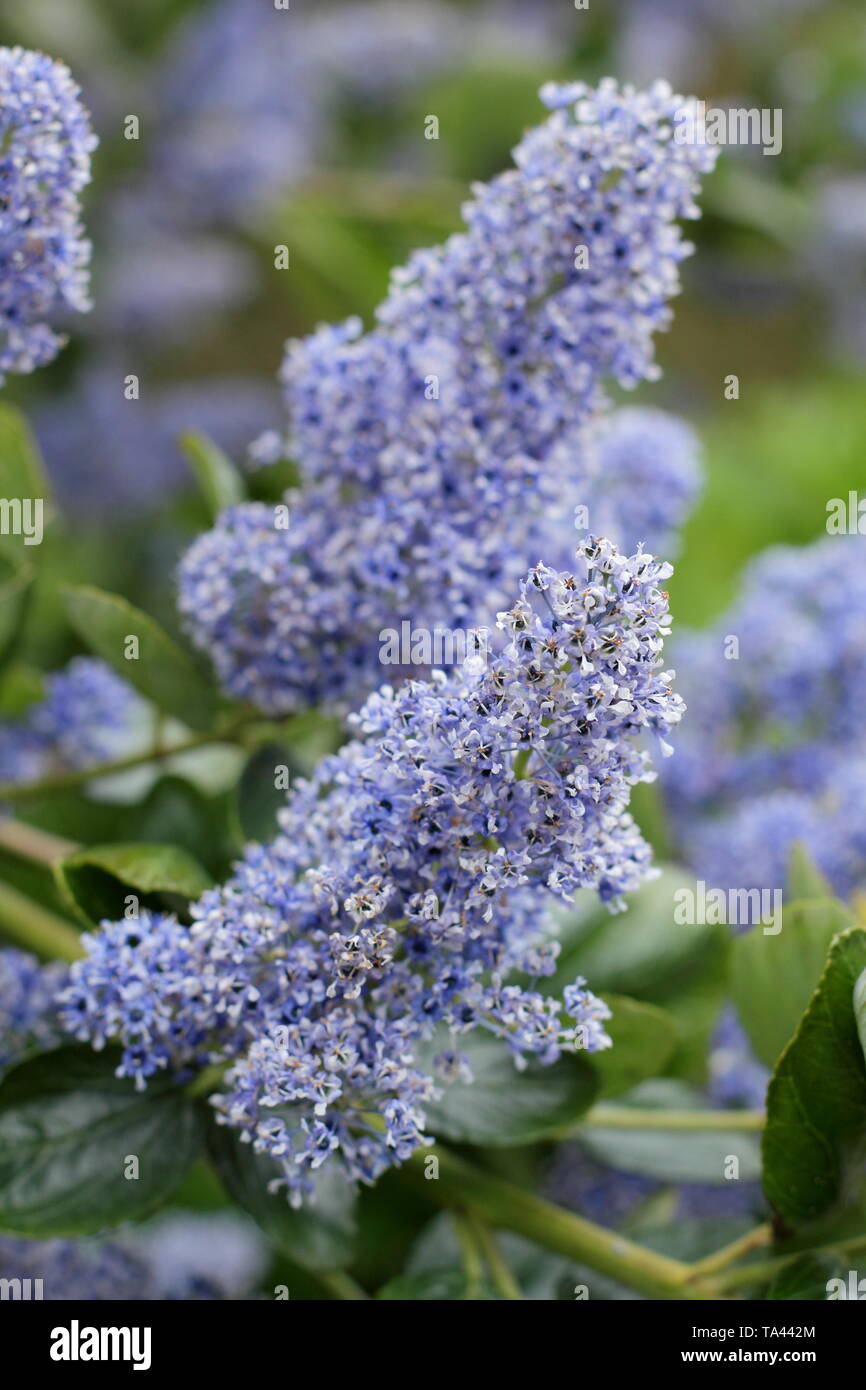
815, 1137
176, 811
220, 482
329, 246
671, 1155
173, 812
644, 1039
646, 805
504, 1106
646, 954
805, 879
163, 671
68, 1130
21, 686
471, 102
694, 1007
805, 1279
319, 1235
95, 881
258, 799
438, 1286
21, 470
201, 1189
637, 951
773, 977
16, 581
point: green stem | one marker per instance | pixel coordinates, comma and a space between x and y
503, 1280
459, 1184
752, 1240
35, 928
761, 1272
472, 1263
635, 1117
29, 842
521, 763
63, 781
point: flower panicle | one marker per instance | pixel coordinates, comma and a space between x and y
409, 886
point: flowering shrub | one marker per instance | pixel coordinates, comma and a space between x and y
278, 934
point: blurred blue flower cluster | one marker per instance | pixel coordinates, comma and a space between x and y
187, 1257
28, 993
45, 148
773, 751
86, 715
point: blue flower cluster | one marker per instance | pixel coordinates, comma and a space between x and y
84, 715
45, 148
774, 751
28, 991
445, 450
407, 882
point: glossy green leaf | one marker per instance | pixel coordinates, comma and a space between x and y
646, 954
258, 797
805, 1279
21, 686
860, 1009
180, 814
635, 951
815, 1138
694, 1006
69, 1131
163, 672
95, 881
16, 581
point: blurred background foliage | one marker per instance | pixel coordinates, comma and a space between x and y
339, 170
